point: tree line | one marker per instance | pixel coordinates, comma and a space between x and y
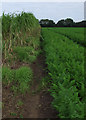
62, 23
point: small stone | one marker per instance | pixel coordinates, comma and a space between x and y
40, 105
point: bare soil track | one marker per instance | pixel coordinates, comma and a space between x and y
36, 104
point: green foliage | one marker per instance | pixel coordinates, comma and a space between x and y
47, 23
76, 35
7, 75
1, 105
15, 23
43, 83
21, 116
20, 79
13, 114
19, 103
6, 20
23, 77
67, 102
27, 54
65, 62
21, 29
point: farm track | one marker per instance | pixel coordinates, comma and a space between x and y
36, 104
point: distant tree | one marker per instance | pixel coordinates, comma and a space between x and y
61, 23
65, 23
47, 23
80, 24
69, 22
51, 23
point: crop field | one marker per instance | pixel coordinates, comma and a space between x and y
43, 69
65, 62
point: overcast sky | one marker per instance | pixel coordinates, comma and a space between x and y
42, 10
43, 0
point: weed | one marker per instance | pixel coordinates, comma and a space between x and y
19, 103
20, 79
21, 116
43, 83
27, 54
7, 75
23, 76
13, 114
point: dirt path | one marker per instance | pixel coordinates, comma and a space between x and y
37, 104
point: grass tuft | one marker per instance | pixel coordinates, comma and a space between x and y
20, 79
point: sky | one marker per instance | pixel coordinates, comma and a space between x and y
48, 10
43, 0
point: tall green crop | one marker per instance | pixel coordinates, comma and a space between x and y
17, 29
